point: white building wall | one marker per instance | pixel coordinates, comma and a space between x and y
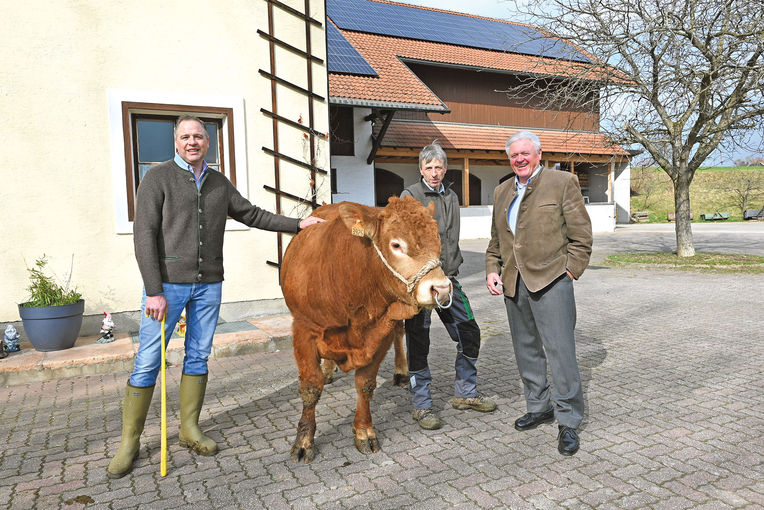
476, 219
59, 64
355, 178
622, 191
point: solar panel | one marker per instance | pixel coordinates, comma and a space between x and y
413, 23
342, 57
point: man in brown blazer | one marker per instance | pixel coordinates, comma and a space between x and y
541, 240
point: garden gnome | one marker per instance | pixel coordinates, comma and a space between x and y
106, 326
11, 340
180, 329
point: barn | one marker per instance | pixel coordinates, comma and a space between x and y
401, 76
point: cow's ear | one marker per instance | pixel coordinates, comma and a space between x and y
431, 208
359, 219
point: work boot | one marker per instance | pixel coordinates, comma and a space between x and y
134, 411
479, 403
192, 388
427, 419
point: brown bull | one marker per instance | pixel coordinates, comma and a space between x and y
343, 281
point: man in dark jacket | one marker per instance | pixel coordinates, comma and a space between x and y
458, 318
180, 218
541, 240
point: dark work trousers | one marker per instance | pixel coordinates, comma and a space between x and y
542, 325
462, 328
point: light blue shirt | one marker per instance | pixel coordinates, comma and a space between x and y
182, 163
514, 207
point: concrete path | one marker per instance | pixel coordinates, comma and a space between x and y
672, 370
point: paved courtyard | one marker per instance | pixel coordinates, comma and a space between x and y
673, 379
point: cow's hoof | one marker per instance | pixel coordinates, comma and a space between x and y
401, 380
367, 446
306, 454
328, 378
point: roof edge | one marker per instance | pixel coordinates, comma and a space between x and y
391, 105
469, 124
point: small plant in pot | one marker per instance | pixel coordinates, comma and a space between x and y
52, 316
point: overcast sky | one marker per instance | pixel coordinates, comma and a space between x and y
504, 9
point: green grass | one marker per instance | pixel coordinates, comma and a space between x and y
709, 192
703, 262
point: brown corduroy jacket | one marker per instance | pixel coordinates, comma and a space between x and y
178, 231
553, 232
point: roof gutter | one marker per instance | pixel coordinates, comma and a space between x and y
387, 105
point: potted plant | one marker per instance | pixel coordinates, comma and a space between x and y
52, 316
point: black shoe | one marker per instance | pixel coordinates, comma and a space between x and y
567, 441
532, 420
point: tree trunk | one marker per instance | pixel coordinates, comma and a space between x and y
684, 243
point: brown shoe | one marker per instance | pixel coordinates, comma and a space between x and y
479, 403
427, 419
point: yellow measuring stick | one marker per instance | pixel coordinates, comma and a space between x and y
163, 441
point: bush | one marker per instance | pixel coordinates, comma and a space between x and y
45, 291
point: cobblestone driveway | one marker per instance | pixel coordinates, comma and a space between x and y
673, 379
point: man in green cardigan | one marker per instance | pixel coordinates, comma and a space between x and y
180, 218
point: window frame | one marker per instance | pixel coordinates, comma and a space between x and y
131, 111
122, 104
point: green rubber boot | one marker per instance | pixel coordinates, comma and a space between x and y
192, 388
134, 410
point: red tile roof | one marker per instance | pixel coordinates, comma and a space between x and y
398, 87
417, 134
397, 84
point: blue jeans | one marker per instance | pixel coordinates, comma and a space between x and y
202, 304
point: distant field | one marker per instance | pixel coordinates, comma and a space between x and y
712, 190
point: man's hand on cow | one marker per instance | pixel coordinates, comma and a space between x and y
310, 220
493, 282
156, 307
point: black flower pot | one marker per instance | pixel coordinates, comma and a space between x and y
52, 328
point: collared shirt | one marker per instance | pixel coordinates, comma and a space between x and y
182, 163
514, 207
441, 190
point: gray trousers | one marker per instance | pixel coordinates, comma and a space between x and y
463, 329
542, 325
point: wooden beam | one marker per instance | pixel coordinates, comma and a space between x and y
380, 137
466, 182
450, 153
411, 160
499, 155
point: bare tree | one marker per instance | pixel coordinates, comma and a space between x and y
745, 186
678, 77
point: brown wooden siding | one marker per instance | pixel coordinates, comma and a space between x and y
473, 97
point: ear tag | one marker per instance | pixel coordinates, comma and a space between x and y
357, 229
